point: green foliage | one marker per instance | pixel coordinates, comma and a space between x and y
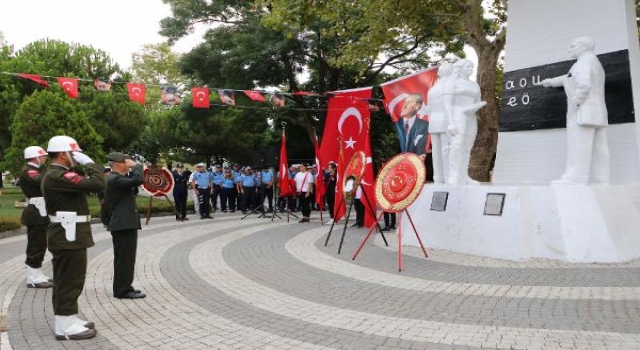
45, 114
9, 224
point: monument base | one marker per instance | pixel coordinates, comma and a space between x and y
576, 223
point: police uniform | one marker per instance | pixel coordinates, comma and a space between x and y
267, 180
202, 182
217, 177
228, 194
36, 221
66, 191
124, 225
180, 192
248, 182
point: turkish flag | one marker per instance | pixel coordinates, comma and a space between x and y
37, 78
320, 188
137, 92
70, 86
200, 97
347, 122
254, 95
283, 173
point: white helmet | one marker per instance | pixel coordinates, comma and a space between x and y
34, 152
63, 144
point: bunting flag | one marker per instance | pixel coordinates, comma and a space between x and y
37, 78
228, 97
70, 86
347, 120
278, 99
200, 97
283, 173
101, 85
137, 92
320, 187
254, 95
169, 95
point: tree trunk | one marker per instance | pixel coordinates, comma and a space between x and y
484, 148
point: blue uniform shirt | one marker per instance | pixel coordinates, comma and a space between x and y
202, 179
266, 176
228, 182
217, 178
248, 180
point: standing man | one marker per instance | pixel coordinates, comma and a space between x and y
202, 186
69, 234
587, 119
124, 223
180, 191
218, 176
267, 177
248, 184
35, 216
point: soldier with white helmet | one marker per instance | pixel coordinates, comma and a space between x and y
34, 216
69, 234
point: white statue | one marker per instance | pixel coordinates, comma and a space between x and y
587, 150
462, 101
438, 124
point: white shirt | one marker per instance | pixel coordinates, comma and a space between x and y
303, 179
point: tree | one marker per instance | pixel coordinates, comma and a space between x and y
43, 115
383, 24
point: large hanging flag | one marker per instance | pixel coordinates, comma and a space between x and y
137, 92
400, 96
320, 188
347, 119
200, 97
70, 86
283, 172
254, 95
33, 77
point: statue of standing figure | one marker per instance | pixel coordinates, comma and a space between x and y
587, 119
461, 102
438, 124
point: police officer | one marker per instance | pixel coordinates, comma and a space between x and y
35, 216
267, 177
218, 176
228, 192
69, 234
180, 191
124, 223
236, 173
202, 184
248, 184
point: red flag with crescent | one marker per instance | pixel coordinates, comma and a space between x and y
70, 86
200, 97
283, 172
320, 188
347, 120
137, 92
33, 77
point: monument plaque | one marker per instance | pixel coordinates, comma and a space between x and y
439, 201
494, 203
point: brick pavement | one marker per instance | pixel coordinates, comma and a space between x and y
258, 284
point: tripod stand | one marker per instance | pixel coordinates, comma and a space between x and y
344, 230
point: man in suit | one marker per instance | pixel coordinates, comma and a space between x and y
414, 131
587, 119
124, 223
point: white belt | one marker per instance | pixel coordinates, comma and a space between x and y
78, 219
38, 202
35, 200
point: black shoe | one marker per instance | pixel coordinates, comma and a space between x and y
232, 211
88, 334
386, 228
131, 295
208, 217
185, 218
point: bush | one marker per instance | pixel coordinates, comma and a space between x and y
8, 224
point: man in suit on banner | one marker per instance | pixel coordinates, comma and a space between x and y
414, 131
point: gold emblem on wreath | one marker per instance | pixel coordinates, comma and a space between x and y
353, 174
399, 182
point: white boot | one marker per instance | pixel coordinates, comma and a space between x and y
43, 276
36, 279
84, 323
68, 328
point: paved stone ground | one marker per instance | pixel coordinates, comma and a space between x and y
260, 284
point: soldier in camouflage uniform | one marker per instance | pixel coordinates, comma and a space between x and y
69, 234
35, 216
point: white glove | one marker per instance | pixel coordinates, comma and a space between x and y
82, 158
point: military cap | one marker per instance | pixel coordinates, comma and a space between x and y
117, 157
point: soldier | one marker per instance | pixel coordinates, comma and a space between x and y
35, 216
124, 223
180, 191
69, 234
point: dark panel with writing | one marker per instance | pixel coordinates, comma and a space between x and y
526, 105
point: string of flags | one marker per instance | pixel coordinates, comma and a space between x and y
170, 94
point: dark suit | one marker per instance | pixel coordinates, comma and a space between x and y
418, 134
124, 225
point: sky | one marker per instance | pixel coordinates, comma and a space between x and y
118, 27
